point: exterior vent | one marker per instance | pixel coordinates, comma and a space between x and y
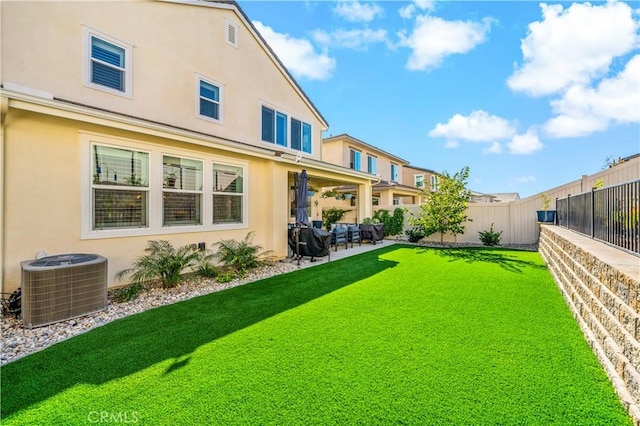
232, 34
57, 288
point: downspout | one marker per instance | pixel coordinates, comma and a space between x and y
4, 110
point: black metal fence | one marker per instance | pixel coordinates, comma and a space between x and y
611, 215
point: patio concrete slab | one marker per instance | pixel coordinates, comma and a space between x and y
341, 253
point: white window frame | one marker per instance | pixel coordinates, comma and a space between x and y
397, 177
155, 189
357, 159
372, 160
220, 86
434, 183
168, 189
290, 117
415, 181
87, 61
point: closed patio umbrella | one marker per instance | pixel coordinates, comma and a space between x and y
302, 218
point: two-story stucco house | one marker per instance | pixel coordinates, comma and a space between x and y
124, 122
390, 187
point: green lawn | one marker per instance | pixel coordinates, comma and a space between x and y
400, 335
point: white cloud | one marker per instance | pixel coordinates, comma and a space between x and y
584, 110
351, 39
434, 38
495, 148
573, 46
526, 179
354, 11
525, 144
479, 126
408, 11
298, 55
451, 144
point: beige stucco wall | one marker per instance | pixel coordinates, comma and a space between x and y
44, 141
43, 186
337, 151
43, 49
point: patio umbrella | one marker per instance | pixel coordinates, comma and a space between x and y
301, 198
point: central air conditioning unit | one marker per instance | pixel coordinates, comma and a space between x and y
57, 288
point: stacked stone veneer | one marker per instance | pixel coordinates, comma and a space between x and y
606, 304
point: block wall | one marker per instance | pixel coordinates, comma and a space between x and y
606, 304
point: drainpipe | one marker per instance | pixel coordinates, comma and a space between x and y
4, 109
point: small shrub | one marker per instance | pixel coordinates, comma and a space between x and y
490, 237
415, 234
332, 215
393, 224
240, 255
206, 269
227, 277
127, 293
162, 262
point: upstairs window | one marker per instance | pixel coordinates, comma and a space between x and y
108, 64
285, 131
281, 129
296, 134
418, 181
354, 159
434, 183
372, 165
209, 99
268, 124
394, 172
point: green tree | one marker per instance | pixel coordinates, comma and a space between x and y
445, 209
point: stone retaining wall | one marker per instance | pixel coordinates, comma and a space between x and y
606, 304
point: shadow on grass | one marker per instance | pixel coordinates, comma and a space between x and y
172, 332
502, 257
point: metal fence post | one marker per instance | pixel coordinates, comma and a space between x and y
593, 211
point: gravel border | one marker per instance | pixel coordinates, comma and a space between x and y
18, 342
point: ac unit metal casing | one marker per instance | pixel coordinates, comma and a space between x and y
61, 287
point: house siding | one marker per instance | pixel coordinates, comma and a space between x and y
172, 43
50, 117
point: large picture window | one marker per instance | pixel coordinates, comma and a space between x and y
132, 188
120, 188
228, 191
182, 191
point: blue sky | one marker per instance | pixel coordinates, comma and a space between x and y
529, 95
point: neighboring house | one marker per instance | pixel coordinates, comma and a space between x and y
124, 122
501, 197
505, 197
387, 170
480, 197
421, 179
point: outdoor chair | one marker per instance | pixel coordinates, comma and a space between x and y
353, 235
339, 236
